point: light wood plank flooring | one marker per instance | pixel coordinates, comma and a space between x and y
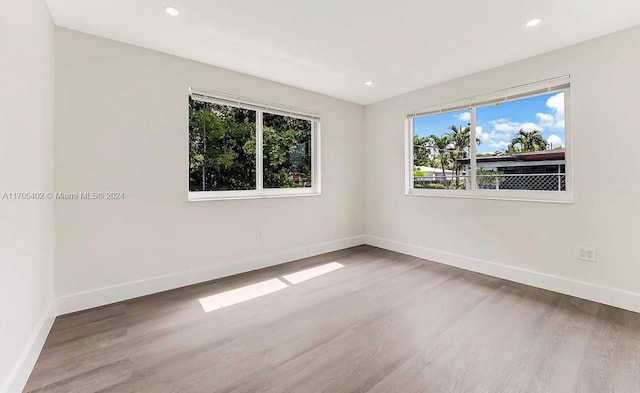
385, 322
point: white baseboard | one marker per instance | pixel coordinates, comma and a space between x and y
610, 296
23, 366
102, 296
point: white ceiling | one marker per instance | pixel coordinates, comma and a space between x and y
334, 46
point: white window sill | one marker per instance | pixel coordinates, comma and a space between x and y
562, 197
235, 195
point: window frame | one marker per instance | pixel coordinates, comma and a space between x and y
260, 108
521, 92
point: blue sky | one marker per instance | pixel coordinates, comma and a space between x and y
496, 125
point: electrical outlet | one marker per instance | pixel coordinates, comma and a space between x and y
588, 254
259, 234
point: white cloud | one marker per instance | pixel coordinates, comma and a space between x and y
504, 125
529, 126
493, 139
555, 140
546, 119
500, 145
501, 133
464, 116
555, 104
509, 128
483, 136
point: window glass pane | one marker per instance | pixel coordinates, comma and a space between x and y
522, 144
287, 152
440, 145
222, 147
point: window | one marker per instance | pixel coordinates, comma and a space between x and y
524, 145
240, 149
510, 144
222, 142
286, 152
440, 142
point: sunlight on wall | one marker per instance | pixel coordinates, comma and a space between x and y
262, 288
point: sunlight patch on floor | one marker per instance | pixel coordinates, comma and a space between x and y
262, 288
242, 294
308, 274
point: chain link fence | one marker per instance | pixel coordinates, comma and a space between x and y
534, 182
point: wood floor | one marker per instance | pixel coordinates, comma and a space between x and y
385, 322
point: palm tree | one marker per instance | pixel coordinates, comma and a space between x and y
526, 141
441, 147
461, 140
421, 151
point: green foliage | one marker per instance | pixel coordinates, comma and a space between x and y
488, 178
527, 141
444, 151
220, 157
460, 138
418, 173
287, 152
222, 149
429, 185
422, 151
440, 150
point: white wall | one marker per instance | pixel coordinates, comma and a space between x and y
26, 165
121, 125
540, 237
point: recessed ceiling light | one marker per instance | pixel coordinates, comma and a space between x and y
173, 11
534, 22
368, 83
